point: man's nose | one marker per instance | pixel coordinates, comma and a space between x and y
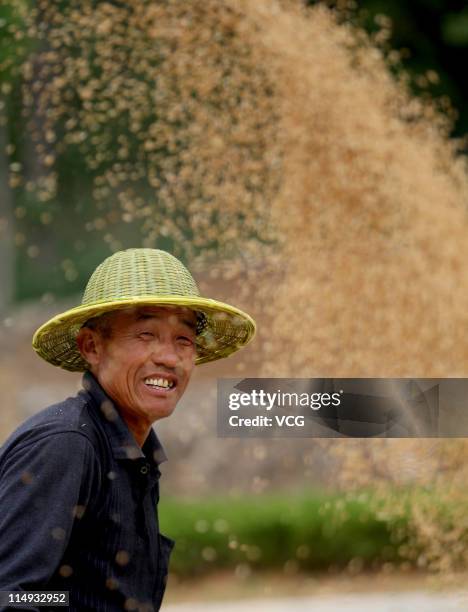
164, 353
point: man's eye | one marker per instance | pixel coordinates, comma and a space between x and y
146, 335
185, 341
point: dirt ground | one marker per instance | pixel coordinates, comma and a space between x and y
232, 586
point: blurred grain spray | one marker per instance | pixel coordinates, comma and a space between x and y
274, 138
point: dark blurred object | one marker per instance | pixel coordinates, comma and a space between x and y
434, 37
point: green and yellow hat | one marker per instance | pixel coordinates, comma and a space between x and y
143, 277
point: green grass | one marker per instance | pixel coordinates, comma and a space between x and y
313, 531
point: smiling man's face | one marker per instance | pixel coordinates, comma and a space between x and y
144, 364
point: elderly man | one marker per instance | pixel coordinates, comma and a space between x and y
79, 480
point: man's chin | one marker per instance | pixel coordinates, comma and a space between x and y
160, 410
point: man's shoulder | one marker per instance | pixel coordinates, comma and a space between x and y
72, 417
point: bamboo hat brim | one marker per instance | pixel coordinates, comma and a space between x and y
143, 277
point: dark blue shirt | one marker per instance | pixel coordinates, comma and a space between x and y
78, 508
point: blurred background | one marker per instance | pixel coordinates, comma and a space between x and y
307, 161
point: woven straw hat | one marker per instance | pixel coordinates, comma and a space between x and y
139, 277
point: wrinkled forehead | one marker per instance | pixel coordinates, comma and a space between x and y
172, 314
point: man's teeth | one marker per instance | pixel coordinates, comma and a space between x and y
159, 382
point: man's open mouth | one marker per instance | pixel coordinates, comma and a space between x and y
159, 383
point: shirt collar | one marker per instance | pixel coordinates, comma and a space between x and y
122, 441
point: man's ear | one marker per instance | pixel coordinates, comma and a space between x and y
88, 342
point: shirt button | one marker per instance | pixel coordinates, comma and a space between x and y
144, 469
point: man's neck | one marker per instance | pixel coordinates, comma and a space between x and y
139, 429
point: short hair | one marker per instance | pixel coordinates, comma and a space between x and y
102, 324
